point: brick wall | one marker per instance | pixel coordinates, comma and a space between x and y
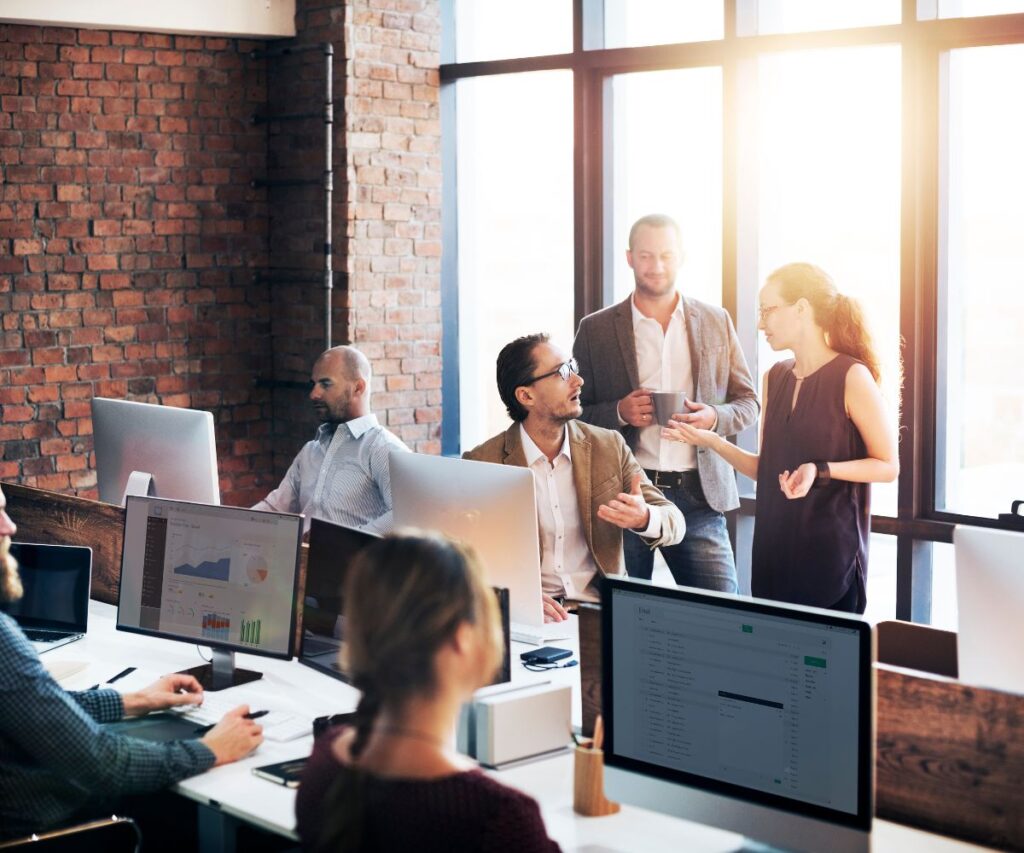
138, 261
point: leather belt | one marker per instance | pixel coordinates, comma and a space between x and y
672, 479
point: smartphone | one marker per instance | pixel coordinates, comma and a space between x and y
287, 773
545, 654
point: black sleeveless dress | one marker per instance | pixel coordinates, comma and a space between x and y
810, 550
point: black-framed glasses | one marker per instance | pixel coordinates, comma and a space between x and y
565, 370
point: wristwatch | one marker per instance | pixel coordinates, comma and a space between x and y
824, 476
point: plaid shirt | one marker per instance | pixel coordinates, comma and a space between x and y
343, 475
54, 755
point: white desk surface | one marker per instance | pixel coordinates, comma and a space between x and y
290, 686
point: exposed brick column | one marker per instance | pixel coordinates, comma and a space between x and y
128, 238
392, 209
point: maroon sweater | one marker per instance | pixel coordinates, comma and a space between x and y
462, 812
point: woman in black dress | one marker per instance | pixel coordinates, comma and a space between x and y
824, 438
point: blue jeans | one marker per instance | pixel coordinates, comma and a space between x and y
703, 559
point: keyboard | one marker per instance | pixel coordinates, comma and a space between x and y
539, 635
277, 725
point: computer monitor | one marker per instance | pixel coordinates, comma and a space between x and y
739, 713
491, 507
145, 449
217, 576
990, 601
332, 550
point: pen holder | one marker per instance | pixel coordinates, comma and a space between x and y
588, 789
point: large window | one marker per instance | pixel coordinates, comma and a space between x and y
514, 228
981, 454
828, 152
667, 158
879, 139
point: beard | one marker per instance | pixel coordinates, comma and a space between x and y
10, 582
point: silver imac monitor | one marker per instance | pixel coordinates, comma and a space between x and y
739, 713
990, 601
491, 507
217, 576
145, 449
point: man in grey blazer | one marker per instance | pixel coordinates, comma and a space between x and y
658, 340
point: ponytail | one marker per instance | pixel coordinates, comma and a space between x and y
366, 713
848, 333
840, 316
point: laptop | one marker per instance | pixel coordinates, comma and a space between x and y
491, 507
332, 548
54, 609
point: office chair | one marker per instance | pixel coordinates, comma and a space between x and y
111, 835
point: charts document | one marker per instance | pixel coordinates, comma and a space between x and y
218, 574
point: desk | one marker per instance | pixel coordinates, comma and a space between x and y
230, 793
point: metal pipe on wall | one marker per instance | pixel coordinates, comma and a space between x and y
328, 188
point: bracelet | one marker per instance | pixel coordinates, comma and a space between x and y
824, 476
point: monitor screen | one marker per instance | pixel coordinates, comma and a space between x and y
217, 576
173, 450
739, 697
332, 549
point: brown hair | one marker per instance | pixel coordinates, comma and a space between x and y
839, 315
405, 597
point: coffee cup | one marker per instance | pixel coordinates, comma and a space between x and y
666, 404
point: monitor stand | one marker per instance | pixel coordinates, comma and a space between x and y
221, 672
139, 484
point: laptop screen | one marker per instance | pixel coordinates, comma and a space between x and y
56, 583
332, 548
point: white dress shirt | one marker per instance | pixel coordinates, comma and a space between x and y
342, 475
664, 364
567, 567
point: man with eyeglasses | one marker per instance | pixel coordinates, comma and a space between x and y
589, 487
659, 340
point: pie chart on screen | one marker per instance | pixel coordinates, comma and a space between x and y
256, 569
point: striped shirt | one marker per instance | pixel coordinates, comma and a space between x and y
342, 475
56, 758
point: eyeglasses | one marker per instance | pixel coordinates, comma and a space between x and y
565, 370
765, 311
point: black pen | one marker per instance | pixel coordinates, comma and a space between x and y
128, 671
252, 715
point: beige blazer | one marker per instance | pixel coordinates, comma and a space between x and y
602, 466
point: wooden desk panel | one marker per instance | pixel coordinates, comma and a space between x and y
950, 757
55, 519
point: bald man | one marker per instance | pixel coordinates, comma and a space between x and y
342, 474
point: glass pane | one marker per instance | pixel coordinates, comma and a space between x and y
515, 197
829, 189
486, 29
981, 380
881, 578
667, 158
944, 613
977, 8
637, 23
795, 16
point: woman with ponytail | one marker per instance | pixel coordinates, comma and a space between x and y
824, 438
422, 633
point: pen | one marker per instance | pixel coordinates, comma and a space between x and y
252, 715
127, 671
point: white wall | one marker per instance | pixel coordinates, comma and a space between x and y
243, 18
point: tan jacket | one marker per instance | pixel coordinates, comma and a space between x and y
602, 466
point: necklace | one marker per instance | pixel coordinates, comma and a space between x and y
411, 733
